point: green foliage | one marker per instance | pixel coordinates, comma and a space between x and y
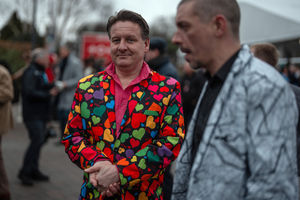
13, 57
17, 30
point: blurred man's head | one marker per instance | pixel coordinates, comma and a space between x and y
266, 52
157, 48
40, 56
207, 29
65, 50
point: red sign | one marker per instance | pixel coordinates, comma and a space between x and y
97, 46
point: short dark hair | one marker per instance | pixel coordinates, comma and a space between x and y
266, 52
207, 9
158, 43
127, 15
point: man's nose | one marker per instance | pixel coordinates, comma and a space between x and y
122, 45
176, 39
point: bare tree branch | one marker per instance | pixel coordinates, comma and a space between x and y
63, 16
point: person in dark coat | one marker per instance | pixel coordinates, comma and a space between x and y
158, 61
36, 93
191, 85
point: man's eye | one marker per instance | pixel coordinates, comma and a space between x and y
115, 40
130, 40
183, 26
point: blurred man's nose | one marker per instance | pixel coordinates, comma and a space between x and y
176, 38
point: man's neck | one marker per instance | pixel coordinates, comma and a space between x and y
126, 75
224, 53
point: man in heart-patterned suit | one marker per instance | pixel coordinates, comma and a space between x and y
126, 123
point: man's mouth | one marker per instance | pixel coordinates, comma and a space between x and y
185, 50
122, 55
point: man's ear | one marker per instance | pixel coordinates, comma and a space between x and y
147, 44
220, 25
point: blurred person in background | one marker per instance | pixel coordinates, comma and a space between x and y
99, 64
6, 96
36, 94
293, 74
50, 72
266, 52
158, 60
16, 76
26, 56
89, 66
50, 69
70, 70
192, 82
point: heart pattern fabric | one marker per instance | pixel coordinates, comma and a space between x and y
151, 132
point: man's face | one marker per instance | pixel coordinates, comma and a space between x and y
194, 37
63, 52
43, 60
126, 44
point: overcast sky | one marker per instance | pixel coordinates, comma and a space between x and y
149, 9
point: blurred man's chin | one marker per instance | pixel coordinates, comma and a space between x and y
193, 64
196, 66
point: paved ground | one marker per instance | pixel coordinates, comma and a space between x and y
65, 177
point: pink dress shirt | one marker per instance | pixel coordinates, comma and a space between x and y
122, 96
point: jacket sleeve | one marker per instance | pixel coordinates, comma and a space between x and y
77, 140
6, 86
272, 161
153, 158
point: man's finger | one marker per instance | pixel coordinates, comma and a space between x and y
93, 182
101, 188
113, 189
109, 193
97, 166
117, 186
93, 179
92, 169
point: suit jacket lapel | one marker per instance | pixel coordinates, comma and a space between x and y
133, 104
108, 86
212, 123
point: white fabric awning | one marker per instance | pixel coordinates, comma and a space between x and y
269, 20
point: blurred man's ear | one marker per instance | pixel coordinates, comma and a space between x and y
147, 44
220, 25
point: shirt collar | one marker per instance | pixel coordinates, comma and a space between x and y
144, 73
222, 73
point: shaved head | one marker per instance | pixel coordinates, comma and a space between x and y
207, 9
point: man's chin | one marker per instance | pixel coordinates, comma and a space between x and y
122, 64
193, 64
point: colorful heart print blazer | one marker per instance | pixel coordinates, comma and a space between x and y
151, 133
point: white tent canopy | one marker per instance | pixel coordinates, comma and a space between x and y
269, 20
